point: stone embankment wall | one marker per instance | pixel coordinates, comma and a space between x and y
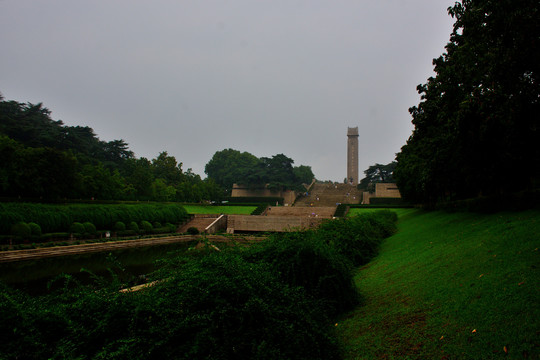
271, 223
218, 224
382, 190
238, 191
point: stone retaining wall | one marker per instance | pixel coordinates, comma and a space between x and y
270, 223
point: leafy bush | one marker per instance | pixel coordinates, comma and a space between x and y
193, 230
35, 229
341, 210
21, 230
259, 209
156, 224
161, 230
126, 233
303, 259
76, 228
216, 306
172, 227
133, 226
90, 228
54, 236
146, 226
358, 237
119, 226
386, 201
234, 309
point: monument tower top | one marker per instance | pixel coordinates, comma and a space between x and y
352, 155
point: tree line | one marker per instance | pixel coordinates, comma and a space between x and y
476, 126
230, 166
46, 159
43, 158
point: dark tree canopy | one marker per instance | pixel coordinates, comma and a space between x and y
229, 166
377, 173
232, 166
43, 158
476, 127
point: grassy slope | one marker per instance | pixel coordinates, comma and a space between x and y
450, 286
202, 209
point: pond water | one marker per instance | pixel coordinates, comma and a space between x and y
130, 265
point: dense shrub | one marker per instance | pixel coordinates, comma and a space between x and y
192, 230
54, 236
211, 307
341, 210
156, 224
386, 201
21, 230
126, 233
133, 226
270, 301
358, 237
259, 209
119, 226
303, 259
161, 230
146, 226
76, 228
35, 229
90, 228
172, 227
233, 309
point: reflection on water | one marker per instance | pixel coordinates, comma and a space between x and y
129, 265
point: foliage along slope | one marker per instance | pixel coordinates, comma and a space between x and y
476, 126
450, 285
274, 300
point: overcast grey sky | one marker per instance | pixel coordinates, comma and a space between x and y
192, 77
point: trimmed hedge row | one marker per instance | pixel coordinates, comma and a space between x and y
56, 218
386, 201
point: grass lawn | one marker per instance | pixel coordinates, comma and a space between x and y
450, 286
399, 211
207, 209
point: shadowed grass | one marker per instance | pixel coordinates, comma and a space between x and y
451, 286
399, 211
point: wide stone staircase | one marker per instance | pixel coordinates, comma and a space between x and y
326, 195
303, 211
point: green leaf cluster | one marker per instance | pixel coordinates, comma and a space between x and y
476, 127
229, 166
271, 301
47, 160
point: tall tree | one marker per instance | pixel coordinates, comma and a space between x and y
166, 168
377, 173
303, 174
229, 166
476, 126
